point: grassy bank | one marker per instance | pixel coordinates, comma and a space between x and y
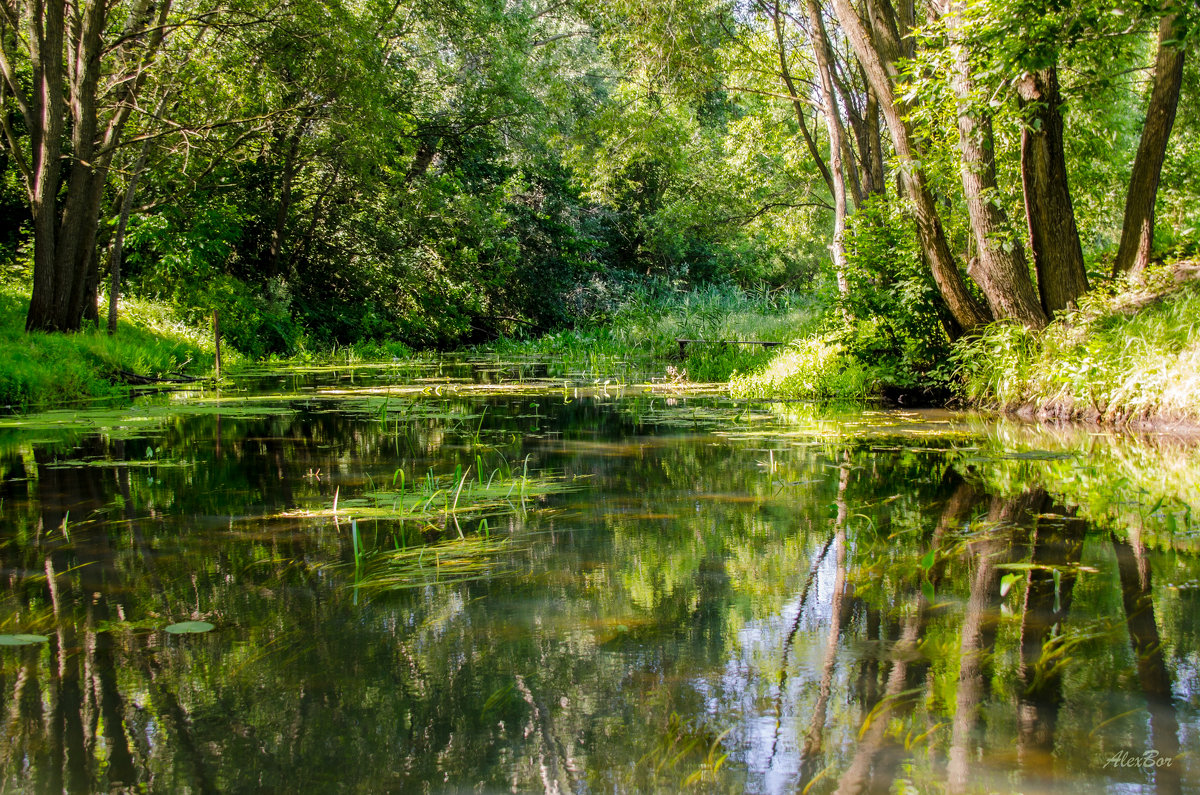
38, 370
1130, 352
643, 327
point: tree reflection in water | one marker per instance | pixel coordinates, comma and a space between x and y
718, 610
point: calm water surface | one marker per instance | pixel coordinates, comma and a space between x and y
435, 581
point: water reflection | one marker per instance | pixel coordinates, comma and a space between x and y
741, 599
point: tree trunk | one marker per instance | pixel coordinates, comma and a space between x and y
45, 117
1053, 235
1001, 270
1137, 232
291, 166
862, 176
823, 53
117, 253
785, 74
875, 144
879, 65
67, 60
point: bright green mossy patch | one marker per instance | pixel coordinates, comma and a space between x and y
1130, 351
38, 369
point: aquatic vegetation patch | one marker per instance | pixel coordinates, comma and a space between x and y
447, 562
189, 628
22, 639
468, 493
134, 420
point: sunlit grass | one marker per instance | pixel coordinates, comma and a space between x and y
817, 367
642, 333
38, 369
1129, 351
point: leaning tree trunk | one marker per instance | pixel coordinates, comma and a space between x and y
798, 101
1001, 270
1137, 232
968, 313
875, 146
1053, 235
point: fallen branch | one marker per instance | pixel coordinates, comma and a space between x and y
134, 378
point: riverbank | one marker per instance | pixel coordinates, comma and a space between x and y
40, 370
1128, 355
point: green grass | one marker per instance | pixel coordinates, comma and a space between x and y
816, 367
1130, 351
38, 369
642, 330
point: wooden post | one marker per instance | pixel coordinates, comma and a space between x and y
217, 339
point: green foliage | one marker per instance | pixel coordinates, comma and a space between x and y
889, 318
38, 369
1177, 227
817, 367
180, 257
1129, 351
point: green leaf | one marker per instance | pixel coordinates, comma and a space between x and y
928, 590
928, 559
22, 640
189, 627
1007, 582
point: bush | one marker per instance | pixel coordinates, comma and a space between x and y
889, 318
817, 367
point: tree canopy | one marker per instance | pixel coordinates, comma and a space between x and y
441, 173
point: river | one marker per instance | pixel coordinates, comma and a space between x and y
472, 577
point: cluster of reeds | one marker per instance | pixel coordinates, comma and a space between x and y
439, 529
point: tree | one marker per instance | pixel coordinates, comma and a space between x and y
1053, 233
879, 50
74, 70
1137, 231
1000, 269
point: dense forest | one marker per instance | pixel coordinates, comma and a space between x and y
331, 171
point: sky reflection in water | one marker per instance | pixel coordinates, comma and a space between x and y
571, 590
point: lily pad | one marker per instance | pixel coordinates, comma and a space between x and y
190, 627
22, 640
